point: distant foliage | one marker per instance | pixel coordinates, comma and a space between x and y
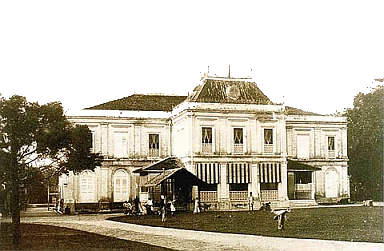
365, 145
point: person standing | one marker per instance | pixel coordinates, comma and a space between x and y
163, 207
196, 210
150, 206
250, 201
173, 208
137, 205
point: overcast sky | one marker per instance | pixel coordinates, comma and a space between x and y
313, 55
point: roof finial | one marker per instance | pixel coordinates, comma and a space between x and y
229, 72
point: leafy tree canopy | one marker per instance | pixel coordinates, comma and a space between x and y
365, 145
31, 134
35, 133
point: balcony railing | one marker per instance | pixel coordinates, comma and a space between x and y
238, 195
303, 191
331, 154
238, 148
269, 195
153, 152
208, 196
206, 148
268, 148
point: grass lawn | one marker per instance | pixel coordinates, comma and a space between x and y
44, 237
362, 224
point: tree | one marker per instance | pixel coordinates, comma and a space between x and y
365, 145
31, 134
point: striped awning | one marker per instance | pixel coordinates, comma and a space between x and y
208, 172
238, 173
270, 172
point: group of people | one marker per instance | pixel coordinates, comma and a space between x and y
166, 205
135, 209
148, 208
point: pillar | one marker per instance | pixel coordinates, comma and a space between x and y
223, 189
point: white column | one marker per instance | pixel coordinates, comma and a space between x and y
282, 187
255, 186
223, 189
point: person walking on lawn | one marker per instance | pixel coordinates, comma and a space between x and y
281, 216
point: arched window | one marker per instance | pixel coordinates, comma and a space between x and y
120, 186
87, 186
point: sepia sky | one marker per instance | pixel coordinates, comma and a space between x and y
312, 55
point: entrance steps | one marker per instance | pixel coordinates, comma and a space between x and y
302, 203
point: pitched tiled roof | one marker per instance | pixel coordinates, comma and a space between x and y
236, 91
295, 111
164, 164
180, 175
141, 102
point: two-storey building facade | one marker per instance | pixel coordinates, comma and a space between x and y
228, 134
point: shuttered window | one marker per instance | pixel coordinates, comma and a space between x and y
270, 172
238, 173
120, 144
208, 172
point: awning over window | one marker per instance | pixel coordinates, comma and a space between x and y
270, 172
208, 172
294, 165
238, 173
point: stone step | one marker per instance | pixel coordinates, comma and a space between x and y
302, 203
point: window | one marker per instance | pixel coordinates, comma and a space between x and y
206, 140
331, 147
268, 136
268, 186
268, 140
154, 145
120, 188
331, 143
92, 139
87, 187
238, 135
238, 140
303, 177
303, 146
120, 140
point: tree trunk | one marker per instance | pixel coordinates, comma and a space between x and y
15, 186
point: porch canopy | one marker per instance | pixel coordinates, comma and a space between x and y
160, 166
294, 165
169, 168
181, 175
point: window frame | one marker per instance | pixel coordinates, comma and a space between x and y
158, 144
273, 139
212, 138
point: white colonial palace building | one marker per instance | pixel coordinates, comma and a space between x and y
222, 142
